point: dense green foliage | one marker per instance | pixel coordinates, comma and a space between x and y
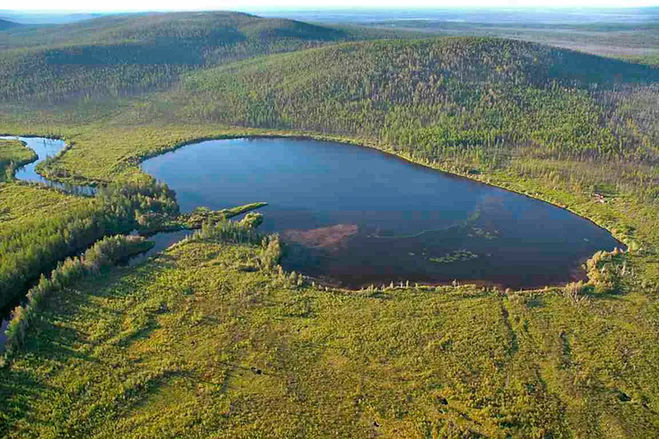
125, 54
103, 254
201, 342
429, 97
12, 155
41, 227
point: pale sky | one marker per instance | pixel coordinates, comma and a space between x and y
247, 5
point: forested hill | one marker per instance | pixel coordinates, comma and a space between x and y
203, 28
122, 54
5, 24
434, 95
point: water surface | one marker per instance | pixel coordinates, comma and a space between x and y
161, 241
357, 216
45, 148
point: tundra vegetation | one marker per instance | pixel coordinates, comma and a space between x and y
213, 338
41, 226
13, 154
103, 254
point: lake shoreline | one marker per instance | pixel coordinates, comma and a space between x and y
388, 199
388, 151
136, 161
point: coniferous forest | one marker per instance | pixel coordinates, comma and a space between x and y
212, 337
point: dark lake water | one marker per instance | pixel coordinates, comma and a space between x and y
356, 216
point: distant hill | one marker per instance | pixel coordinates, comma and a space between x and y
52, 17
430, 96
200, 27
5, 24
123, 54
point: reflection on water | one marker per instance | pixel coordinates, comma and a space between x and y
358, 216
162, 241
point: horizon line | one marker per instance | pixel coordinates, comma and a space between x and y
340, 9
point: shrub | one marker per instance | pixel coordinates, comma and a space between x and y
575, 291
271, 252
104, 253
252, 220
603, 271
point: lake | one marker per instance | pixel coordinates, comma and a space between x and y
354, 216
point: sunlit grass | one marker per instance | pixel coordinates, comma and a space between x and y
191, 344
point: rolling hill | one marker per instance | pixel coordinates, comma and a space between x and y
124, 54
432, 96
6, 24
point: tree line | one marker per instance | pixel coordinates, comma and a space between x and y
103, 254
34, 246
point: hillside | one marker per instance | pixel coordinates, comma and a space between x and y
6, 24
124, 54
433, 95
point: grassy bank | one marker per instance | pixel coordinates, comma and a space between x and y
194, 344
200, 216
103, 254
12, 155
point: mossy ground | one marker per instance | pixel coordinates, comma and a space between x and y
192, 344
12, 154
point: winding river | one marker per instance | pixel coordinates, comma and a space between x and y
354, 216
46, 148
